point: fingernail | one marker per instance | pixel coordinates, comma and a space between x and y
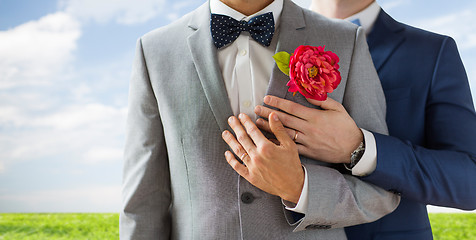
241, 115
230, 119
227, 156
257, 109
275, 117
267, 99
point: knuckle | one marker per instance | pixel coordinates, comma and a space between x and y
228, 137
290, 133
252, 130
260, 149
261, 113
241, 137
234, 165
265, 150
230, 161
265, 110
287, 144
269, 112
283, 117
286, 105
237, 150
244, 120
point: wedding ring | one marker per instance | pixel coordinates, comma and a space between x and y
295, 135
244, 155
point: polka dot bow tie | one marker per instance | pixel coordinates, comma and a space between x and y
225, 29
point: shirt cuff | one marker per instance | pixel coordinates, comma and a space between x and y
368, 162
301, 206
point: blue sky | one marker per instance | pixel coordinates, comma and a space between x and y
64, 73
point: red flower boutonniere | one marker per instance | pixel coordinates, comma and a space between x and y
312, 71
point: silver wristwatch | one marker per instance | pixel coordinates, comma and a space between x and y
355, 156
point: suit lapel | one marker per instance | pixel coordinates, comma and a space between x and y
291, 35
204, 55
384, 39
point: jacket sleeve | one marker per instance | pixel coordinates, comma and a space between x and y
442, 171
336, 200
146, 179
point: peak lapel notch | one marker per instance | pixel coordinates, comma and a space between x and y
384, 38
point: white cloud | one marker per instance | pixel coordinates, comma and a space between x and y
37, 50
121, 11
90, 133
459, 25
9, 115
174, 11
71, 117
82, 199
43, 118
76, 116
81, 91
105, 154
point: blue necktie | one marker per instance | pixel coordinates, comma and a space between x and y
225, 29
356, 22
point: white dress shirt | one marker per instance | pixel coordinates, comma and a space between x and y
245, 64
246, 68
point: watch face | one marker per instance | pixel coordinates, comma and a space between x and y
357, 155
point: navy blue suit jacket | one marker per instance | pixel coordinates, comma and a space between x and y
430, 155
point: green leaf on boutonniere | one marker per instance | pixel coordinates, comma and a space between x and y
282, 60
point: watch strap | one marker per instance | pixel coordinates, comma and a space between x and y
355, 156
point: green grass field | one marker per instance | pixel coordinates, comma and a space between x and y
455, 226
63, 226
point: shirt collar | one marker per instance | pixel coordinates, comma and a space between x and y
367, 17
276, 7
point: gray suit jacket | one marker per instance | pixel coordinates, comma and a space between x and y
177, 183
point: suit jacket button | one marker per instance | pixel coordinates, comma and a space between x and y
247, 198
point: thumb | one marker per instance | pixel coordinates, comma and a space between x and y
328, 104
278, 129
